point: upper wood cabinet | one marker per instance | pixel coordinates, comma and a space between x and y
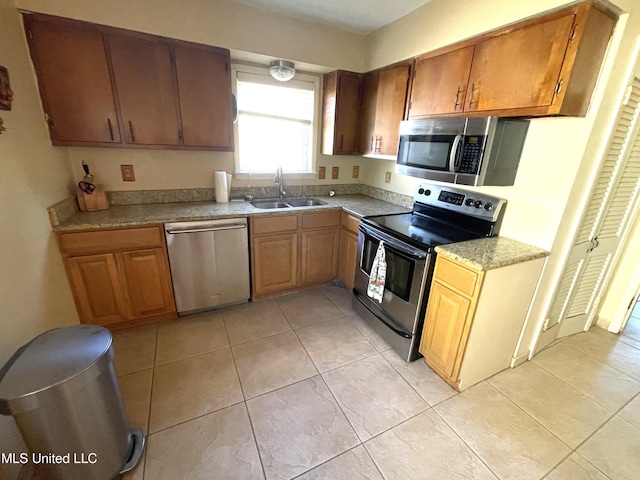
440, 83
204, 87
143, 73
340, 105
102, 86
542, 66
73, 76
384, 93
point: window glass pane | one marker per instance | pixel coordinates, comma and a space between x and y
275, 126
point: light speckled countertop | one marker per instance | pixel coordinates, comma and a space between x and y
491, 253
145, 214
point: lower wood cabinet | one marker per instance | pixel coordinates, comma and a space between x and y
293, 251
119, 277
474, 318
348, 250
275, 261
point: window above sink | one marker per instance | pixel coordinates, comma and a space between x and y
277, 123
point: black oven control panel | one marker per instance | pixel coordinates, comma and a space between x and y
451, 197
475, 204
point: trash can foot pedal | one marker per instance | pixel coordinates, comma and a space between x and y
138, 439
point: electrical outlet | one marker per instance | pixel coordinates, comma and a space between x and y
322, 173
128, 174
387, 177
335, 172
356, 171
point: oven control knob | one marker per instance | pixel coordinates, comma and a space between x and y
477, 204
469, 202
427, 192
488, 206
420, 191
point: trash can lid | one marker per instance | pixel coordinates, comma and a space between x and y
52, 358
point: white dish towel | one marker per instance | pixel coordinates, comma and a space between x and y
378, 274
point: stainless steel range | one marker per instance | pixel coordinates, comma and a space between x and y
441, 215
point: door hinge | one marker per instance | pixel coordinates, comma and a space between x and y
633, 300
30, 34
572, 36
180, 134
226, 66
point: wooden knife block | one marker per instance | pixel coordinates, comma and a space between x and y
93, 202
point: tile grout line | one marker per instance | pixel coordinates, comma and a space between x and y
513, 402
476, 454
597, 360
585, 394
255, 439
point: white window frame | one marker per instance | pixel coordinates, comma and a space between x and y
264, 71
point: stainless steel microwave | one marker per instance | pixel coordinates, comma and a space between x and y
466, 151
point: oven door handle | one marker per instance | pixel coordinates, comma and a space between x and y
393, 243
383, 317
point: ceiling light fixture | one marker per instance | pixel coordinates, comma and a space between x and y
282, 70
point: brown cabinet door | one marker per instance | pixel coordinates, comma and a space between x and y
204, 88
274, 263
97, 289
440, 83
367, 114
75, 87
144, 81
519, 69
392, 94
347, 104
347, 258
148, 281
442, 339
340, 105
320, 255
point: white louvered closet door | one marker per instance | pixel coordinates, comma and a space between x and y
612, 201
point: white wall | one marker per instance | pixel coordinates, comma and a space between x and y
34, 293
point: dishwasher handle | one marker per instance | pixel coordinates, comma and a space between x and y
232, 226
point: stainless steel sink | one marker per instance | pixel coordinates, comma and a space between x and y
269, 204
305, 202
293, 202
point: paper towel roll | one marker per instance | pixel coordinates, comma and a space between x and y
221, 186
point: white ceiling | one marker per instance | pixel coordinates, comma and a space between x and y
359, 16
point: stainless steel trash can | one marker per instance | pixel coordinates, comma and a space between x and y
63, 392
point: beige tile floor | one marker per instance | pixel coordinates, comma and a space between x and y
300, 387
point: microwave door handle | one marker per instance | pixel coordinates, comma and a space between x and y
454, 153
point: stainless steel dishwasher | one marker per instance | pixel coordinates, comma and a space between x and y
209, 263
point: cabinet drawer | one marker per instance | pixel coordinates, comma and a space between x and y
350, 222
456, 276
321, 220
85, 243
281, 223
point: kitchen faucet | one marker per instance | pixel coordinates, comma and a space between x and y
279, 179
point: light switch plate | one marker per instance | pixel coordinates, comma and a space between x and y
387, 177
128, 173
322, 173
335, 172
356, 171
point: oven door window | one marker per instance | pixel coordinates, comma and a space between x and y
425, 151
399, 268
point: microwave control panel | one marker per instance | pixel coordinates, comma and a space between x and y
471, 154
